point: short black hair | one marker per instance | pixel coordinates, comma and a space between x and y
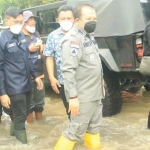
65, 8
13, 12
78, 9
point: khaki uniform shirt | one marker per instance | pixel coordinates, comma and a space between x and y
82, 69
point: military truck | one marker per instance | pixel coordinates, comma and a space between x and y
119, 35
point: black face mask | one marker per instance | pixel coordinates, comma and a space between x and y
90, 26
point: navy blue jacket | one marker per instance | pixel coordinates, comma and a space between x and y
15, 66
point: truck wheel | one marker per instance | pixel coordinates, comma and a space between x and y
134, 89
147, 87
112, 103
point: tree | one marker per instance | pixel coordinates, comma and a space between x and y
4, 4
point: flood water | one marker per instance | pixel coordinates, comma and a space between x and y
125, 131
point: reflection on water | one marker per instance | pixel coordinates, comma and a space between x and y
125, 131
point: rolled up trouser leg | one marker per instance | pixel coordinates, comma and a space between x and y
64, 144
38, 112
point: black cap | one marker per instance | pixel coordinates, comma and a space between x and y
13, 12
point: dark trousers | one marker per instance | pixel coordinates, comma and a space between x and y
37, 98
63, 97
8, 111
20, 106
0, 110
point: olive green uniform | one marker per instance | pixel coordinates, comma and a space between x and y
82, 72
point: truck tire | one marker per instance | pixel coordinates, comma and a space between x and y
112, 103
134, 89
147, 87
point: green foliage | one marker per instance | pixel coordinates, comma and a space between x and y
4, 4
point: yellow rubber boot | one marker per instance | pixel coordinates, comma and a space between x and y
92, 141
64, 144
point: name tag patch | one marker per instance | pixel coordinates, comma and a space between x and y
23, 41
12, 45
87, 42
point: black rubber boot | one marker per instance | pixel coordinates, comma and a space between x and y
21, 136
12, 132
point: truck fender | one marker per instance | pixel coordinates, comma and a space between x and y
108, 59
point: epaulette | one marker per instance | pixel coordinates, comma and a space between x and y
73, 32
81, 32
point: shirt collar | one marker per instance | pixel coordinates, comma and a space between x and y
9, 34
60, 31
81, 31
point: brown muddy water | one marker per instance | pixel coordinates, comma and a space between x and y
125, 131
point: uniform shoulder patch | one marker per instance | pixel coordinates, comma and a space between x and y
73, 52
74, 44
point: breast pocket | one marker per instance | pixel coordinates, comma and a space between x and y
14, 54
91, 57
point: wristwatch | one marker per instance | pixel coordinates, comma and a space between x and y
73, 97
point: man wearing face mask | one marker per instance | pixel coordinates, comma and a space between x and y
83, 81
53, 50
7, 111
15, 71
36, 49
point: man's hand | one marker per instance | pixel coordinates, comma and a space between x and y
42, 46
73, 107
55, 84
103, 87
104, 91
39, 83
34, 48
5, 101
